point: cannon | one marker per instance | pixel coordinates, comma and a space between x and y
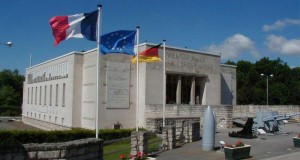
270, 121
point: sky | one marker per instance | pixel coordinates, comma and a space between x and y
238, 29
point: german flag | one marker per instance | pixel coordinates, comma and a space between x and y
148, 55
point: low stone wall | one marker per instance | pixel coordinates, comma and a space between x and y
90, 148
250, 110
180, 113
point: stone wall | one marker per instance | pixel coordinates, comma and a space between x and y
250, 110
90, 148
154, 114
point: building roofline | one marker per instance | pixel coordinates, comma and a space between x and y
65, 55
185, 49
142, 44
228, 65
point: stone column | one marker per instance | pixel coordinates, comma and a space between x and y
178, 90
192, 98
139, 142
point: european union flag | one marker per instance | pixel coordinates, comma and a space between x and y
121, 41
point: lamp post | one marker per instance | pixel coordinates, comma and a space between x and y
271, 75
8, 44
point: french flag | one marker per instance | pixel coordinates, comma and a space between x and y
75, 26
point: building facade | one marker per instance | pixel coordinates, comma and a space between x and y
61, 93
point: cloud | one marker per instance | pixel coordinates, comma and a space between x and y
233, 46
281, 45
280, 24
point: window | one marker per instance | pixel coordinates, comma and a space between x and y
50, 101
56, 95
64, 95
40, 100
31, 95
35, 100
28, 93
62, 120
45, 95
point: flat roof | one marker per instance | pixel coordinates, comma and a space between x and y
65, 55
142, 44
184, 49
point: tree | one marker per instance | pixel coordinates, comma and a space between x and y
9, 96
11, 87
284, 86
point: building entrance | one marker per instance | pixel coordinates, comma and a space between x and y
185, 89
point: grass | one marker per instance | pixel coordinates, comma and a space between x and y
112, 151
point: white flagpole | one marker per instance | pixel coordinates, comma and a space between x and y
97, 78
164, 82
30, 60
137, 77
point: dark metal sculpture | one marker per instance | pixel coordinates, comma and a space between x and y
246, 132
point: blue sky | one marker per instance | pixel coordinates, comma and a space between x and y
239, 29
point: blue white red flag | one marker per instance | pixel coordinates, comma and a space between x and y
75, 26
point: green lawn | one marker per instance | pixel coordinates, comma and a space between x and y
112, 151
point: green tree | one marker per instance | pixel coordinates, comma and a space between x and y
9, 96
11, 87
284, 85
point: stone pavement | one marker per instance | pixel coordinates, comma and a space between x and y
272, 147
14, 123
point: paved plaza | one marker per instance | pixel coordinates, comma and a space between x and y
267, 147
14, 123
272, 147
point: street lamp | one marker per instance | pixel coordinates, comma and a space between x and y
271, 75
8, 44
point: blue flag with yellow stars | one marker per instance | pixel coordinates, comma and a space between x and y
121, 41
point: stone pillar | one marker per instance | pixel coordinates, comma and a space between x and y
139, 142
192, 98
187, 132
169, 137
178, 90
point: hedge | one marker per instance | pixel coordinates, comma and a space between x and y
38, 136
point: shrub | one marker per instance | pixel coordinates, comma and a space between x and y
10, 111
8, 137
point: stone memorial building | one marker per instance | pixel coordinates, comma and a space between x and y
61, 93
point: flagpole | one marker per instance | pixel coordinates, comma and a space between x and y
164, 82
137, 77
30, 60
97, 65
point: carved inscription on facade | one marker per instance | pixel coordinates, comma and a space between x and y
190, 63
117, 85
